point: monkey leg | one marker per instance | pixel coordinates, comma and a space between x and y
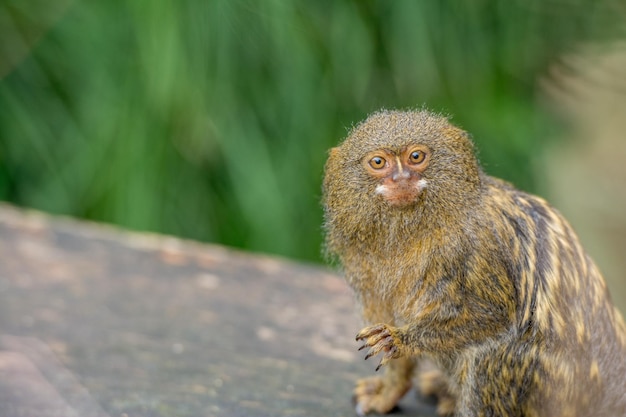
433, 382
379, 394
498, 381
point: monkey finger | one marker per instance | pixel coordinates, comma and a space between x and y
375, 338
372, 330
367, 387
387, 357
383, 361
379, 339
382, 345
371, 353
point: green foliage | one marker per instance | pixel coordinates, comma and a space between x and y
212, 119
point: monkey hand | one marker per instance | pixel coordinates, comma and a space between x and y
381, 338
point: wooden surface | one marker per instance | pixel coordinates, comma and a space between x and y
96, 321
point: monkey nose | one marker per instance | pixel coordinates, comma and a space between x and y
400, 175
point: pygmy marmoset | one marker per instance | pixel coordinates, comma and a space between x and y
453, 266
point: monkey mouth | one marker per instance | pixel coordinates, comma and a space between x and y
401, 193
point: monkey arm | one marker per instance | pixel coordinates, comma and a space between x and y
428, 335
381, 393
467, 314
431, 334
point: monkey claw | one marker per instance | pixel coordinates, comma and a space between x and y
379, 338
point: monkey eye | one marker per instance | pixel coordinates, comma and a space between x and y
378, 162
417, 157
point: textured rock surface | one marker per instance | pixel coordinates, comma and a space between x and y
96, 321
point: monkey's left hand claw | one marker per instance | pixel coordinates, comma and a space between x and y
381, 338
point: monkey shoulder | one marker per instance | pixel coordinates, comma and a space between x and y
523, 211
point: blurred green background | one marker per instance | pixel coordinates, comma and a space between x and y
211, 119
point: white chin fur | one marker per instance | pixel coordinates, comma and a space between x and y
381, 189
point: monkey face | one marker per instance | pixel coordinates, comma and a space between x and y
397, 163
399, 174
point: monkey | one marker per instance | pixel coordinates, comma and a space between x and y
455, 268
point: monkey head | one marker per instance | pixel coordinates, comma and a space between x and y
399, 169
401, 159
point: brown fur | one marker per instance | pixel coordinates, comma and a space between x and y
488, 282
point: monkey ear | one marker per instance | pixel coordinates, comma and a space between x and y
455, 132
333, 151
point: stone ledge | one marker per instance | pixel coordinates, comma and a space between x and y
97, 321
